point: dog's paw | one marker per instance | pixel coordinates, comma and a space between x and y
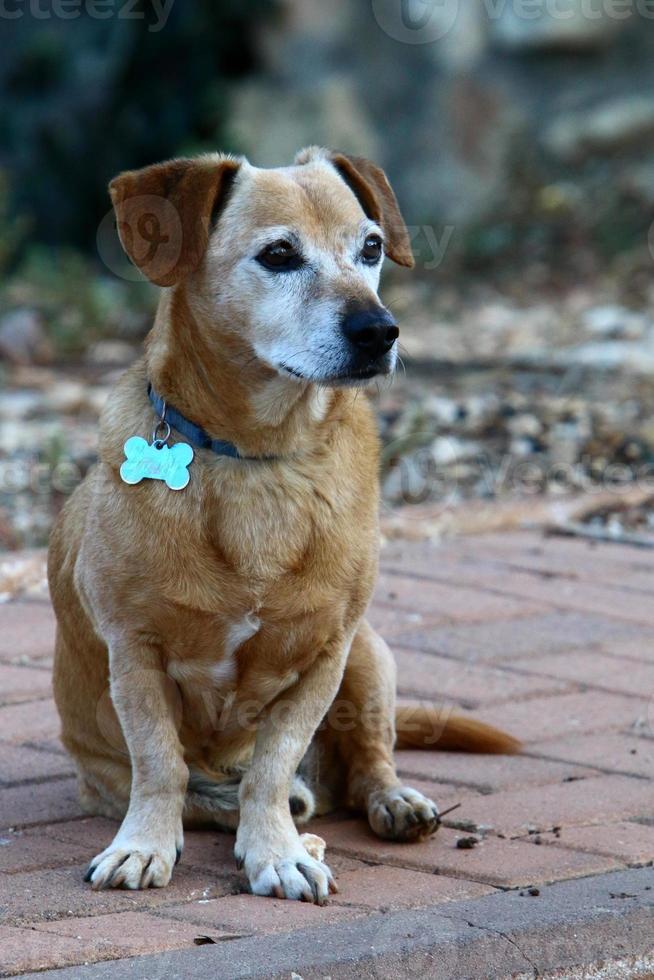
286, 871
402, 814
133, 863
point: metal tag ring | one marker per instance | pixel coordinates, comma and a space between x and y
161, 425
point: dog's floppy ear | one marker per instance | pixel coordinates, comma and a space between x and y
370, 185
164, 213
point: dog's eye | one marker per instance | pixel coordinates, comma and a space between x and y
372, 249
280, 257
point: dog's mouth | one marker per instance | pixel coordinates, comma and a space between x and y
293, 372
361, 374
352, 376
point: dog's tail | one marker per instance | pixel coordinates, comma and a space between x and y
214, 799
420, 727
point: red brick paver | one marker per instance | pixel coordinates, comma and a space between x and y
439, 678
611, 752
485, 773
33, 803
593, 669
536, 636
598, 799
387, 888
495, 861
250, 915
46, 895
23, 684
628, 842
34, 850
124, 933
24, 949
550, 638
19, 764
579, 712
27, 633
29, 722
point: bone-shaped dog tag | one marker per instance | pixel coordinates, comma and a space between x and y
156, 461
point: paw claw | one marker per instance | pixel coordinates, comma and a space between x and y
289, 873
131, 866
314, 896
402, 814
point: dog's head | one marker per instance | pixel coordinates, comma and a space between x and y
290, 258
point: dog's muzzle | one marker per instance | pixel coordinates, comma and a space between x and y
371, 333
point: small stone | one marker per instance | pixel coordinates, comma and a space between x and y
467, 843
468, 825
111, 353
525, 28
444, 410
66, 397
521, 447
23, 339
450, 449
16, 405
615, 322
526, 426
610, 126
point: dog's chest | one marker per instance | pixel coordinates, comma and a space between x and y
219, 689
265, 522
213, 667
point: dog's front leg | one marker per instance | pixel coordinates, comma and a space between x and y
149, 842
267, 844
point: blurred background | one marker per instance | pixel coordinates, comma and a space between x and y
519, 136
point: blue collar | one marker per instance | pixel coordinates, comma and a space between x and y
194, 433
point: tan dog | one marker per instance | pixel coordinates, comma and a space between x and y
226, 619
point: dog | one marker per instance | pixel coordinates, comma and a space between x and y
213, 661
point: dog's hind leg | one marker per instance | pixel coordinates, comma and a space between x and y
360, 731
100, 794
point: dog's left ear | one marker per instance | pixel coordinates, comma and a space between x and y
164, 213
370, 186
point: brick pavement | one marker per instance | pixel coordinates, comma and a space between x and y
550, 638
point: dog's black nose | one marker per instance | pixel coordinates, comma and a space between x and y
373, 331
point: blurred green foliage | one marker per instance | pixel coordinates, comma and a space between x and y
13, 227
84, 98
77, 304
77, 301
